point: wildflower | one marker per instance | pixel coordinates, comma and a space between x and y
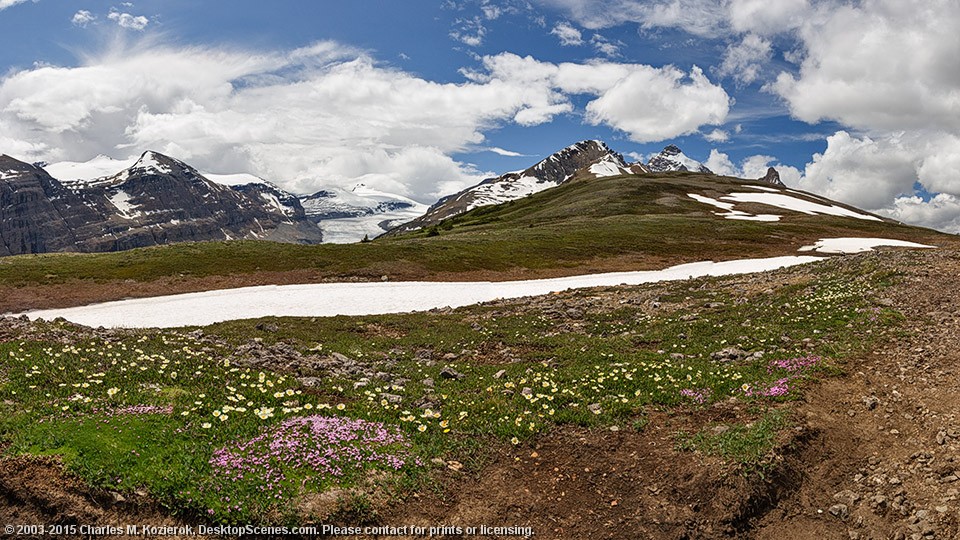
205, 425
514, 441
341, 406
112, 391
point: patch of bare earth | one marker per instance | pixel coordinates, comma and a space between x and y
36, 492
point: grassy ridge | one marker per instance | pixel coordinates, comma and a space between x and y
648, 219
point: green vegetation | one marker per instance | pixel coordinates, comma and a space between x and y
195, 422
748, 444
649, 220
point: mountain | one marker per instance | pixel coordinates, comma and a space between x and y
585, 159
156, 200
347, 216
672, 158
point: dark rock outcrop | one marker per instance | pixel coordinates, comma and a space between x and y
772, 177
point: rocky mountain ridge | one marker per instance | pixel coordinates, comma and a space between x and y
157, 200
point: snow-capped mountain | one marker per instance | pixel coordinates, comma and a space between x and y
585, 159
348, 216
258, 188
154, 200
672, 158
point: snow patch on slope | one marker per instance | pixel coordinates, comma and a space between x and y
858, 245
121, 200
507, 190
607, 167
330, 299
787, 202
730, 212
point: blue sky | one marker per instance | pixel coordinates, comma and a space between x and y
426, 97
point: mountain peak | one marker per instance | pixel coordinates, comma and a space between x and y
157, 163
671, 158
772, 177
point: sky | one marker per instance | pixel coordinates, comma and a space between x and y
858, 101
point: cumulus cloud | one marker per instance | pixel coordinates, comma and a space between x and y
325, 114
82, 18
652, 104
880, 65
717, 135
567, 34
647, 103
744, 61
126, 20
752, 167
941, 212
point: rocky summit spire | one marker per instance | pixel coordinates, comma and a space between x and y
772, 177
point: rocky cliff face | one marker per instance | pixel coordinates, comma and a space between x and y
158, 200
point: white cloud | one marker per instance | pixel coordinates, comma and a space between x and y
647, 103
604, 46
766, 17
861, 171
4, 4
653, 104
469, 31
126, 20
491, 11
502, 152
752, 167
82, 18
745, 60
879, 65
567, 34
941, 212
324, 114
699, 17
717, 135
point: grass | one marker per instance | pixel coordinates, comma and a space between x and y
157, 410
647, 220
747, 444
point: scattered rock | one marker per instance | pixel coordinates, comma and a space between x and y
450, 373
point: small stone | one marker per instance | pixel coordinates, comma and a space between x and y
847, 497
839, 510
450, 373
500, 374
429, 383
594, 408
391, 398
